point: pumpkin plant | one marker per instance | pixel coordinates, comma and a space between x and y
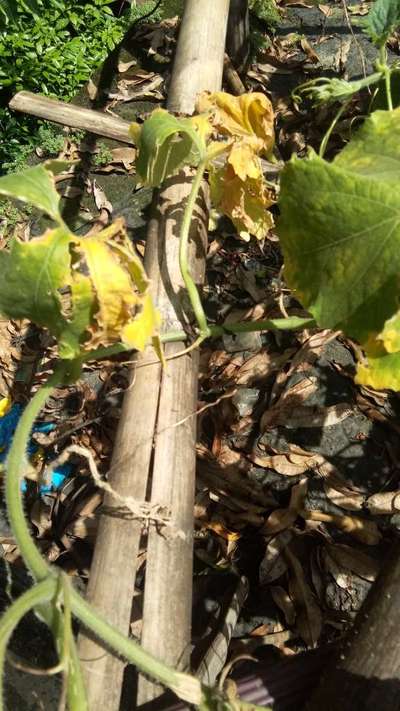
340, 233
91, 293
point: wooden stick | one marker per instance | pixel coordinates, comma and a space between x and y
70, 115
157, 429
238, 36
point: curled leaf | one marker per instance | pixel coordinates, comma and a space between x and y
166, 143
249, 116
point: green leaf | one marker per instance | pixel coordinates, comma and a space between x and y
32, 275
35, 186
374, 151
165, 144
381, 20
340, 235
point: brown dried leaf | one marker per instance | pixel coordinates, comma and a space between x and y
260, 366
387, 502
360, 528
91, 89
308, 618
274, 564
124, 66
125, 155
280, 519
100, 198
355, 560
345, 498
284, 602
326, 10
311, 54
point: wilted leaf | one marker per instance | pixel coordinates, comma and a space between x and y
249, 116
165, 143
34, 186
245, 202
79, 318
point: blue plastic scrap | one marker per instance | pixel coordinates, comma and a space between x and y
8, 424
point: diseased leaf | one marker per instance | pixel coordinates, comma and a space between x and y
80, 317
379, 371
245, 202
346, 271
86, 291
34, 186
374, 151
112, 286
165, 143
381, 20
248, 117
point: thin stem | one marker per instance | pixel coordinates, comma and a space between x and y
385, 69
292, 323
185, 686
40, 593
190, 285
328, 134
76, 691
15, 471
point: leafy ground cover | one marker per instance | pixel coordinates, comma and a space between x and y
298, 466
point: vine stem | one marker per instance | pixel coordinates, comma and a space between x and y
385, 69
190, 285
185, 686
41, 593
15, 470
328, 134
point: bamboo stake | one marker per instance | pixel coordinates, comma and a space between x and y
157, 402
70, 115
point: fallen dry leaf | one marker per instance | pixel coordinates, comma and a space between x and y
280, 519
360, 528
355, 560
308, 613
326, 10
274, 565
283, 600
387, 502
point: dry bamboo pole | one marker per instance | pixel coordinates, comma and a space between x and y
70, 115
150, 438
237, 45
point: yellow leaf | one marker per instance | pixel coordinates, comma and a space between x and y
125, 309
113, 288
244, 161
138, 332
249, 115
243, 201
134, 131
5, 405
